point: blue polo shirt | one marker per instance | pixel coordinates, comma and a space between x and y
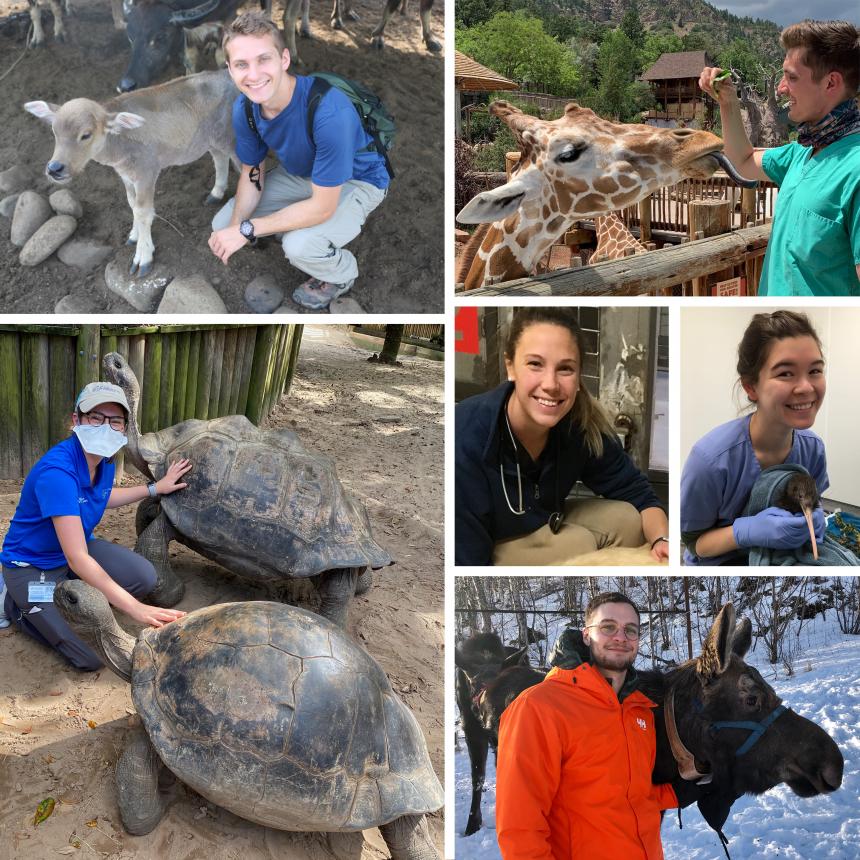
334, 156
57, 486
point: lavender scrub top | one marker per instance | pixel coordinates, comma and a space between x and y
718, 477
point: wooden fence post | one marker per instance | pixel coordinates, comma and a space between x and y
88, 353
182, 342
10, 405
217, 372
645, 220
151, 392
35, 413
62, 390
193, 375
260, 372
298, 330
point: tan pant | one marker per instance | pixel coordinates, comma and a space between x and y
589, 525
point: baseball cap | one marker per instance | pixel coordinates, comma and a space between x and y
97, 393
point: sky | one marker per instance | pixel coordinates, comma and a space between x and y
785, 12
777, 825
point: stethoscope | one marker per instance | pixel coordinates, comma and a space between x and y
556, 519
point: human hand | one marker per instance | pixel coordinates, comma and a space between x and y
224, 243
170, 482
660, 551
773, 528
819, 525
154, 616
718, 84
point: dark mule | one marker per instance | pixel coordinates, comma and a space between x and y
480, 661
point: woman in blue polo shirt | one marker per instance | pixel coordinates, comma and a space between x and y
781, 370
50, 538
520, 448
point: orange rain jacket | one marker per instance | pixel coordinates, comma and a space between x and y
573, 777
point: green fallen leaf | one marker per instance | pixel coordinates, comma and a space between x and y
44, 810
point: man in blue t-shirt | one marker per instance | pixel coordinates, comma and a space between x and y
814, 248
324, 187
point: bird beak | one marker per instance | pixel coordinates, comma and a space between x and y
807, 512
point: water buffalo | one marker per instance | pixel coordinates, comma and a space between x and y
480, 661
139, 134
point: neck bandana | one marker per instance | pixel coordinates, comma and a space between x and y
844, 119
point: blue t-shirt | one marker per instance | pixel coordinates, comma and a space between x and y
57, 486
333, 157
719, 474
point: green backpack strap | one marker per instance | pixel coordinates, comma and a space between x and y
320, 86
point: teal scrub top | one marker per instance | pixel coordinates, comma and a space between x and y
814, 246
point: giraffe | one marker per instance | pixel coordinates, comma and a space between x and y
614, 240
578, 166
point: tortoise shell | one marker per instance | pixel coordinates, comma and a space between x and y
277, 715
258, 502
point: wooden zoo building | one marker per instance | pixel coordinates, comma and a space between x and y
184, 371
674, 81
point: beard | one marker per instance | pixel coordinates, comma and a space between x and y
615, 661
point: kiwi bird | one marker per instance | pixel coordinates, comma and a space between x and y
801, 496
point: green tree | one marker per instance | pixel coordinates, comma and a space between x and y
742, 59
616, 65
631, 26
515, 45
657, 44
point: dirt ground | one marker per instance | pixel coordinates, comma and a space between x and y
400, 249
61, 731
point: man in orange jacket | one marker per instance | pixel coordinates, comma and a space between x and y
573, 776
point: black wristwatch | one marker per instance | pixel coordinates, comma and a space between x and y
246, 228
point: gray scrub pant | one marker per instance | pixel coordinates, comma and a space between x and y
125, 567
318, 251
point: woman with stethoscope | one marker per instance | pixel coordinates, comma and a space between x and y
50, 538
521, 447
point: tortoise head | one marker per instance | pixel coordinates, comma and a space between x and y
118, 371
88, 612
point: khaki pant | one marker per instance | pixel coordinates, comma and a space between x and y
589, 525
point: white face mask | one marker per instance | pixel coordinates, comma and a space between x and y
101, 441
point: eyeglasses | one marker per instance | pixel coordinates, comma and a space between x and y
117, 422
610, 628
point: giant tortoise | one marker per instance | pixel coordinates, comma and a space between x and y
269, 711
257, 502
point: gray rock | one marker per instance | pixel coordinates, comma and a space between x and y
345, 305
31, 212
83, 254
263, 294
192, 295
14, 179
7, 205
78, 304
65, 203
141, 293
47, 239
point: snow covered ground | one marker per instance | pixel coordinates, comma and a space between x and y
825, 688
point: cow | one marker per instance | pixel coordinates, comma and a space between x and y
57, 9
480, 660
722, 731
425, 7
139, 134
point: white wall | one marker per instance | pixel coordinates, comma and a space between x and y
709, 343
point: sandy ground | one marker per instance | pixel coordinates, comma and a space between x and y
400, 249
61, 731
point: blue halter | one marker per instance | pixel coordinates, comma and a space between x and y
756, 729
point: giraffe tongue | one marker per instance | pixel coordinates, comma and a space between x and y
724, 162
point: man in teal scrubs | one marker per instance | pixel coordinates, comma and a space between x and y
814, 248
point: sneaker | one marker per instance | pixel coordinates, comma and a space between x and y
317, 295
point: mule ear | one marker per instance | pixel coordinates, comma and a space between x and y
518, 658
717, 650
742, 639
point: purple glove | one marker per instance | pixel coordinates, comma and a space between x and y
773, 528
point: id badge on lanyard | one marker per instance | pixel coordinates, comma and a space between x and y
41, 591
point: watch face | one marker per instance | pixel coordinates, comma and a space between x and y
246, 228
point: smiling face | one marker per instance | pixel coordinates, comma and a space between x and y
545, 371
615, 653
257, 67
809, 100
790, 385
